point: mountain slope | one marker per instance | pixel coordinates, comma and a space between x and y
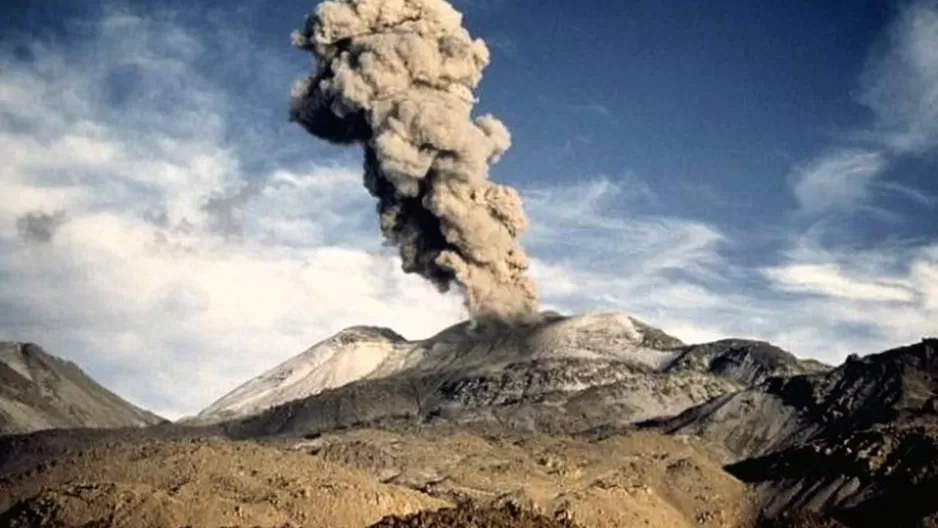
198, 483
355, 353
859, 441
354, 478
560, 374
40, 391
780, 412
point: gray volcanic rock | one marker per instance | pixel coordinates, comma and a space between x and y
40, 391
859, 442
780, 412
885, 475
744, 361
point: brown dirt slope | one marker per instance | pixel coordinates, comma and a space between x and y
641, 479
356, 478
199, 482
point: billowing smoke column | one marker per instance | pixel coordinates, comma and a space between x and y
398, 76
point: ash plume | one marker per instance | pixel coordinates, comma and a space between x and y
397, 76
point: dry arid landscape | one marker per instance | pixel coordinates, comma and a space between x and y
355, 479
783, 445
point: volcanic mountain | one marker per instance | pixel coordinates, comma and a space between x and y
560, 374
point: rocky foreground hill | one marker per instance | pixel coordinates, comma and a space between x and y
356, 478
42, 391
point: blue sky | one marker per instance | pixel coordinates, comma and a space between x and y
714, 168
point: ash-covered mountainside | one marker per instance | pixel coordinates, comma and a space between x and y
40, 391
560, 374
783, 411
859, 442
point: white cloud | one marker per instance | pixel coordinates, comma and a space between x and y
829, 279
837, 180
666, 270
880, 296
678, 274
900, 84
580, 223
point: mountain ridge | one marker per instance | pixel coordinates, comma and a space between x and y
783, 410
41, 391
859, 441
560, 374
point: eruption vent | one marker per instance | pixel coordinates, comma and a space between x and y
398, 76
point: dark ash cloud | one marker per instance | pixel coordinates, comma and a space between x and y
39, 227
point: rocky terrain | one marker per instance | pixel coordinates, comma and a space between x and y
859, 441
356, 478
41, 391
507, 516
743, 361
198, 482
784, 411
588, 421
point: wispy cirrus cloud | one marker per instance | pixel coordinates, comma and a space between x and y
900, 83
592, 109
681, 274
830, 280
585, 222
840, 179
886, 294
